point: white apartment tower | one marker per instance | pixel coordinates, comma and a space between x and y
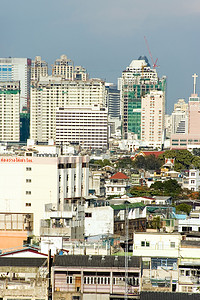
39, 68
86, 126
10, 111
152, 118
17, 69
51, 93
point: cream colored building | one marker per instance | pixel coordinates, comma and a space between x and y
152, 118
29, 182
10, 111
51, 93
39, 68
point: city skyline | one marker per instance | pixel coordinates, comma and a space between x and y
106, 38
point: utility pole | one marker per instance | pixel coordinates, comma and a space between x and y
126, 252
49, 287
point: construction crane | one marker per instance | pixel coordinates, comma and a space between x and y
153, 63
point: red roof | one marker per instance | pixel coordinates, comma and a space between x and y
119, 175
156, 153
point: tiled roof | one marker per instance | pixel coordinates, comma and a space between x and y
21, 261
156, 153
95, 261
119, 175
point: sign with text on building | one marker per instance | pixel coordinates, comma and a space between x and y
10, 159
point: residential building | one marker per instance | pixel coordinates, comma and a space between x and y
189, 139
86, 126
51, 93
104, 277
99, 221
39, 68
23, 277
152, 119
33, 179
18, 69
117, 184
156, 244
63, 67
10, 111
137, 80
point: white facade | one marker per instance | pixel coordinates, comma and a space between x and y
152, 118
10, 111
85, 126
51, 93
29, 182
17, 69
156, 244
99, 221
192, 182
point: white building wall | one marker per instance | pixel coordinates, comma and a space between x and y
28, 183
156, 244
100, 220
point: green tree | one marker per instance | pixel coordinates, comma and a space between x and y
183, 158
183, 207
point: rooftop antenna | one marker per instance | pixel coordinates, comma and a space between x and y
153, 63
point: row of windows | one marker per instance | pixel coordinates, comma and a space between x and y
104, 280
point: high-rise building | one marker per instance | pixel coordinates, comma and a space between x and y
113, 100
51, 93
64, 68
137, 80
18, 69
39, 68
152, 115
9, 111
180, 117
84, 125
190, 138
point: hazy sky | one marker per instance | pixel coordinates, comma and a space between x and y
105, 36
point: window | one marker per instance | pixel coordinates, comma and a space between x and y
193, 181
172, 244
192, 174
28, 192
28, 204
187, 273
76, 297
143, 243
28, 169
88, 215
182, 272
28, 180
147, 244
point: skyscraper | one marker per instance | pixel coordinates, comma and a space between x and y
9, 111
18, 69
137, 80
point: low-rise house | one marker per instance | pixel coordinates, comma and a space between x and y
23, 278
103, 277
117, 184
134, 214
